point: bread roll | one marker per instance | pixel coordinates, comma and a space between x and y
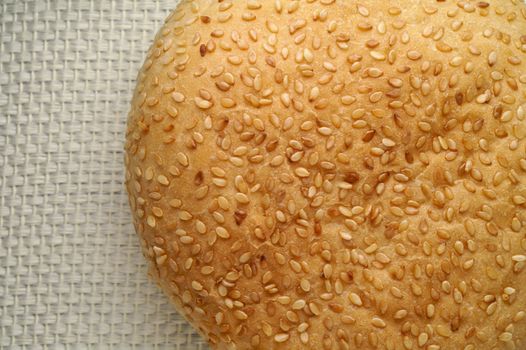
330, 174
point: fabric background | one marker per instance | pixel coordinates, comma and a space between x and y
71, 271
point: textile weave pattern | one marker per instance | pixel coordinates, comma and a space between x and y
71, 272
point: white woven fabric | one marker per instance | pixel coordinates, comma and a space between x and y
71, 272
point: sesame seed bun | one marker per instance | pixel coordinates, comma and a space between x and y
329, 174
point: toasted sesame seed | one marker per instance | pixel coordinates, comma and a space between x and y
355, 299
281, 337
302, 172
443, 331
378, 322
505, 337
379, 56
414, 55
197, 286
178, 97
222, 232
151, 221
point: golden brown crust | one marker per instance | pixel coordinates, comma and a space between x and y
335, 174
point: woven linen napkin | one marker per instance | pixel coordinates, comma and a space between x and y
71, 271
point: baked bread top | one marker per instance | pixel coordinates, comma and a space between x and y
335, 174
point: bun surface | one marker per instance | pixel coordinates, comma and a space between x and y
329, 174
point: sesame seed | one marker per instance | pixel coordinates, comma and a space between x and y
414, 55
178, 97
197, 286
281, 337
505, 337
377, 55
378, 322
305, 285
355, 299
222, 232
302, 172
